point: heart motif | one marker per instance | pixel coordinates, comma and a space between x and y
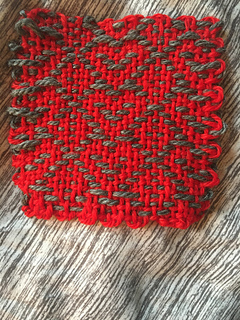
114, 120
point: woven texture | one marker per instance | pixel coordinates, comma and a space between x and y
115, 121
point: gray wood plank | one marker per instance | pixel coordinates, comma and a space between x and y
60, 271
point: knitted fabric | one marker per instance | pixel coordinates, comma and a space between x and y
115, 120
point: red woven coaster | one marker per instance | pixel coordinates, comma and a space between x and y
114, 121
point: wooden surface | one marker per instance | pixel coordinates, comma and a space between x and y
59, 271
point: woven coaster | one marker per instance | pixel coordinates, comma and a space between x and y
115, 120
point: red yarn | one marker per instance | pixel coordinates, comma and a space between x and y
114, 121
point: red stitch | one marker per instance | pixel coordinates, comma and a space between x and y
114, 121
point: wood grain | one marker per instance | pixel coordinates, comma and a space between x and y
59, 271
